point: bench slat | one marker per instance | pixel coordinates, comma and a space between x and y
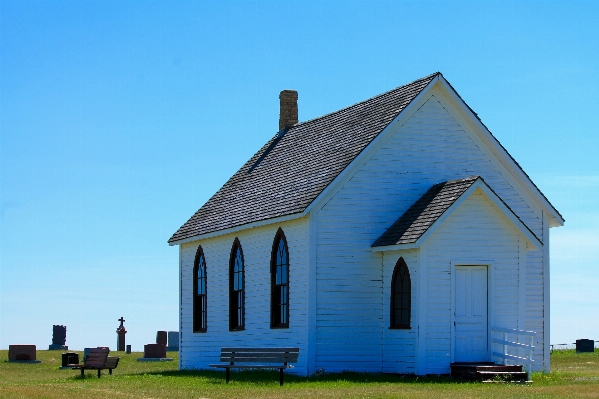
99, 350
243, 359
253, 366
96, 360
260, 355
248, 357
268, 359
260, 350
97, 355
111, 362
94, 365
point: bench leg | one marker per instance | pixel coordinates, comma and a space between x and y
228, 374
110, 371
82, 373
99, 371
281, 376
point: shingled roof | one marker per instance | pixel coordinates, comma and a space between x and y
429, 208
424, 212
293, 168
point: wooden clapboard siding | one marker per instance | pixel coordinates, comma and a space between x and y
434, 145
349, 308
535, 305
197, 350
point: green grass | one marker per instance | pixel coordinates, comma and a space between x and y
573, 375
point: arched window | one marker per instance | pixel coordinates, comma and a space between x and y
236, 288
279, 282
401, 296
199, 292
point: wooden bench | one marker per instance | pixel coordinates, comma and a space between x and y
111, 363
97, 359
257, 358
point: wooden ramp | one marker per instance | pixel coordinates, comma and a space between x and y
487, 372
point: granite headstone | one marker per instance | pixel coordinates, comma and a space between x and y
59, 338
22, 353
162, 338
173, 341
154, 351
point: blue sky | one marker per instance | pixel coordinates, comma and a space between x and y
118, 120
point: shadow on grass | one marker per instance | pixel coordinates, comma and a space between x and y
90, 375
272, 376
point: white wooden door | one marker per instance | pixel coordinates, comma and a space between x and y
470, 327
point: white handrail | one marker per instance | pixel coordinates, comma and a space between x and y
514, 331
505, 343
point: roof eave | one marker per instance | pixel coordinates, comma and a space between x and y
396, 247
556, 218
236, 229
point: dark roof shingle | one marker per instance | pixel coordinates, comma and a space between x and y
425, 212
290, 171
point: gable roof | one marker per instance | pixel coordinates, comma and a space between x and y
437, 203
294, 167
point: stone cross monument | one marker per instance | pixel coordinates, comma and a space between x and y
121, 331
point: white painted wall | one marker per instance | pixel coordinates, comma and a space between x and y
198, 350
349, 284
433, 145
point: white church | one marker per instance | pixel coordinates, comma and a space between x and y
392, 236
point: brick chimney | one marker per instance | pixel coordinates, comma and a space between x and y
288, 115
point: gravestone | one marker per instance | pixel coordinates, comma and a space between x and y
59, 338
22, 353
585, 345
69, 358
154, 351
162, 338
173, 341
128, 349
121, 331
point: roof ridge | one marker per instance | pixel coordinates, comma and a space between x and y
252, 197
460, 180
431, 77
502, 147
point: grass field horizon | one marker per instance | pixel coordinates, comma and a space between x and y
573, 375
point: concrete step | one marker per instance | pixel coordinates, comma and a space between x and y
487, 372
501, 375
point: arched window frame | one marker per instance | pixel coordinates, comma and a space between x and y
279, 288
236, 296
200, 295
401, 281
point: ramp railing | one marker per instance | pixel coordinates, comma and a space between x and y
510, 338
